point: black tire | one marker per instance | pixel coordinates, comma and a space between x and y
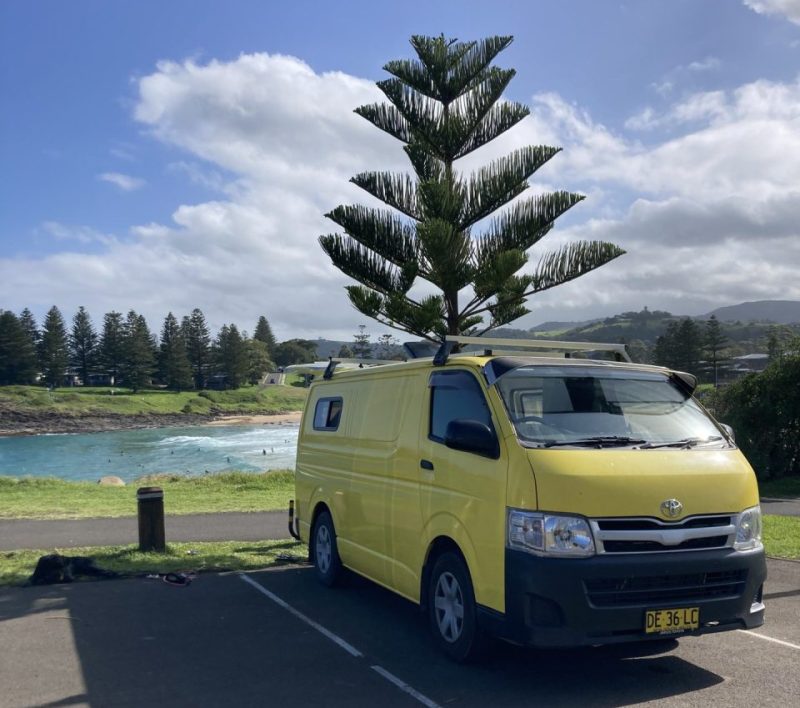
450, 594
324, 551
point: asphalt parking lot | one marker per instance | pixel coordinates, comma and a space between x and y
278, 638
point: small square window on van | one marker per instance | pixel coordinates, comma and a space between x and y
327, 414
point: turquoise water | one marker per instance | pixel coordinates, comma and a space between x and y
129, 454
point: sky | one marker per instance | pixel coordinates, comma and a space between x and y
162, 156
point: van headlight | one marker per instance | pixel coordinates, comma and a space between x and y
748, 529
568, 536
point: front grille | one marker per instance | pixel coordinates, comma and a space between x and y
665, 590
693, 522
651, 535
655, 547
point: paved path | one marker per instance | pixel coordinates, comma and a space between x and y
16, 534
781, 507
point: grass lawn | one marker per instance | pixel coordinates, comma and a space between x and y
17, 566
49, 498
105, 401
782, 536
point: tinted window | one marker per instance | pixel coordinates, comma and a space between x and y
327, 413
456, 394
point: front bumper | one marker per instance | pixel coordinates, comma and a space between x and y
603, 599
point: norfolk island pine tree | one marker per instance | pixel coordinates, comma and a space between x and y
442, 106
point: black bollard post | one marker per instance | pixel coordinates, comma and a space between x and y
151, 519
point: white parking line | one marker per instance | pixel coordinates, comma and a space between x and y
336, 639
403, 686
349, 648
769, 639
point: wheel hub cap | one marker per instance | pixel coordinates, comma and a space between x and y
449, 607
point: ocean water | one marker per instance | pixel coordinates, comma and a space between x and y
129, 454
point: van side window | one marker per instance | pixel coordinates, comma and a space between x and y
455, 394
327, 414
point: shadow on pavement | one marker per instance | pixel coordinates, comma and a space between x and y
220, 642
392, 632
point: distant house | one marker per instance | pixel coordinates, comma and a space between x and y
71, 378
217, 382
748, 364
100, 379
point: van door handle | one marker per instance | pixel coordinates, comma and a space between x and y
426, 464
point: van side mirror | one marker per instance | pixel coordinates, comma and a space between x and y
728, 431
472, 436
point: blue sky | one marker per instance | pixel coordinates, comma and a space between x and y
169, 155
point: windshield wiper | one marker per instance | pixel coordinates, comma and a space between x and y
685, 444
596, 441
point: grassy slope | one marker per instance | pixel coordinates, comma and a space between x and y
48, 498
17, 566
94, 401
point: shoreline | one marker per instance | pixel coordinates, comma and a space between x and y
53, 424
290, 418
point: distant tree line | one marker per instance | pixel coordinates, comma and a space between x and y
126, 352
689, 345
764, 411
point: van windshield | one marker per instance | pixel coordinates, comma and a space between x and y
594, 407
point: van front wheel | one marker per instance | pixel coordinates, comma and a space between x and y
325, 552
452, 610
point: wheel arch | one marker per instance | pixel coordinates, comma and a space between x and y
319, 508
437, 547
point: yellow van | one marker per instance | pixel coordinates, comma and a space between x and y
547, 500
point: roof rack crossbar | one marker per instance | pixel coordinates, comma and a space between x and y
490, 343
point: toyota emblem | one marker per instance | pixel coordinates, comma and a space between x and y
671, 508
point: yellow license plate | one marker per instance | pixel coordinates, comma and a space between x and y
671, 621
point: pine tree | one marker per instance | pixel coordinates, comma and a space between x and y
111, 354
28, 322
83, 343
139, 357
264, 334
681, 346
198, 346
443, 105
387, 346
690, 345
715, 342
231, 355
666, 351
18, 363
53, 348
362, 348
173, 364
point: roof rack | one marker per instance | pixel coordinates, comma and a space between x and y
526, 345
333, 362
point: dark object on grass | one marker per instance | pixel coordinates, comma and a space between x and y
55, 568
180, 578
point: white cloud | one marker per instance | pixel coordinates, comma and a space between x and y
80, 234
125, 182
790, 9
708, 216
706, 64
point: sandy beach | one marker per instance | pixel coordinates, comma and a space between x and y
53, 423
275, 419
